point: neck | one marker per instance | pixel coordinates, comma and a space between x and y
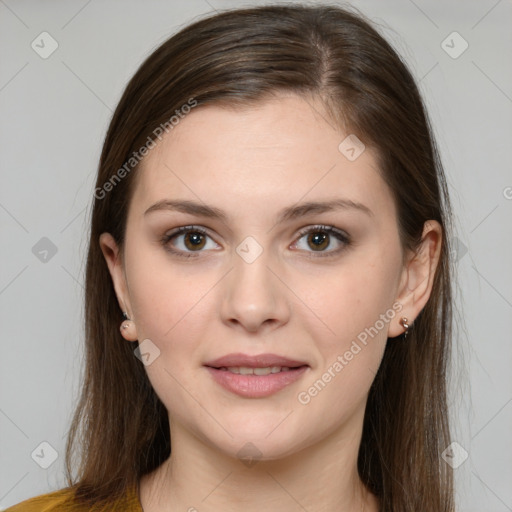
198, 477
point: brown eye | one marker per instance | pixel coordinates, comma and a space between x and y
318, 240
322, 240
194, 240
187, 240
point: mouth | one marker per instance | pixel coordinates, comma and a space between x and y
255, 376
260, 361
247, 370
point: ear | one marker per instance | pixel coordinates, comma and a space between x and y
112, 255
418, 276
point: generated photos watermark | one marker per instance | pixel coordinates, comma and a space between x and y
305, 397
137, 156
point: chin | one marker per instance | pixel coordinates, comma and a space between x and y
263, 444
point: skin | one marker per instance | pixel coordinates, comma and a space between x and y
291, 301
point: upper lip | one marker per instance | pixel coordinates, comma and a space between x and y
258, 361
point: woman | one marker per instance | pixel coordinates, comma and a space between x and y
268, 295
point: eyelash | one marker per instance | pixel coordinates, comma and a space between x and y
330, 230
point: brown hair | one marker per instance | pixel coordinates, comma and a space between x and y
236, 58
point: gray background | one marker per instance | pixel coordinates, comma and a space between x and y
53, 117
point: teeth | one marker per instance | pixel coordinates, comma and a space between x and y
244, 370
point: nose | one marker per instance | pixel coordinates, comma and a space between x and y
253, 297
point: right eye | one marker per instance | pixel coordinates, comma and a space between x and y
190, 239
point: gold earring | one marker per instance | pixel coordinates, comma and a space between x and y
405, 324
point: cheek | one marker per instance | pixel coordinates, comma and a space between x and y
165, 295
347, 302
171, 310
353, 311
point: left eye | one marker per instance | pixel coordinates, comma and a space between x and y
320, 238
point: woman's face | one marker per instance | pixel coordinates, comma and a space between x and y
255, 282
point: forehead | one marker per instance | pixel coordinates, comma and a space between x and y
262, 157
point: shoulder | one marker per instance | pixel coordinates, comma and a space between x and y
50, 502
63, 501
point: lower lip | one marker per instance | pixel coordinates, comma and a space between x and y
255, 386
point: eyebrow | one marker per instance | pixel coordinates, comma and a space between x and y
286, 214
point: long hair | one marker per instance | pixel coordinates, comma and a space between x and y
120, 428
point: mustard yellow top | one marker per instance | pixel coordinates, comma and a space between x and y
57, 501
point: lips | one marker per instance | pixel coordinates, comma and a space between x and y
257, 361
234, 373
256, 386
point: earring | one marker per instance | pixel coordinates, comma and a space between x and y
405, 324
127, 327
